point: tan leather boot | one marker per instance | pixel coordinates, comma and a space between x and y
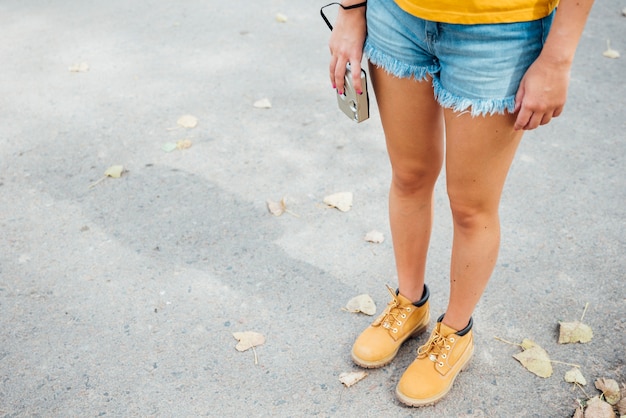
439, 361
380, 342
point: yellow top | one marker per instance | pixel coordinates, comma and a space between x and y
478, 11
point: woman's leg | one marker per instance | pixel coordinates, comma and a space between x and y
479, 152
413, 125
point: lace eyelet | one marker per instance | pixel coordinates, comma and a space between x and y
403, 315
408, 309
440, 364
444, 356
447, 347
395, 330
399, 323
452, 339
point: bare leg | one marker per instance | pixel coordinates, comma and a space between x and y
413, 125
479, 153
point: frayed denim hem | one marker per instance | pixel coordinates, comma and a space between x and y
397, 68
477, 107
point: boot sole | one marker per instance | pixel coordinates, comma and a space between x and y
431, 401
385, 361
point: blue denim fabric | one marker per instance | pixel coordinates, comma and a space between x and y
473, 67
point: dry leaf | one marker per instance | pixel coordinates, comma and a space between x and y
597, 408
579, 413
169, 146
341, 201
374, 236
83, 67
277, 208
263, 104
351, 378
183, 144
115, 171
248, 340
621, 406
187, 121
574, 332
526, 344
535, 359
610, 53
361, 303
610, 390
575, 376
281, 18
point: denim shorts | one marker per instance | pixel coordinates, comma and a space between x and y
476, 68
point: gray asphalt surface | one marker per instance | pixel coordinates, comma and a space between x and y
121, 299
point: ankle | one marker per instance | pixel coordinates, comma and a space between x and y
418, 298
461, 326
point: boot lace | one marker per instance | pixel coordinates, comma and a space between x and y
394, 314
437, 346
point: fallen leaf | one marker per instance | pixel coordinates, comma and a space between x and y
115, 171
183, 144
526, 344
263, 104
281, 18
575, 376
610, 52
597, 408
374, 236
574, 332
351, 378
277, 208
579, 413
248, 340
610, 390
169, 146
82, 67
621, 406
187, 121
341, 201
535, 359
361, 303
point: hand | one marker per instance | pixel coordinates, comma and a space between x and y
542, 93
346, 46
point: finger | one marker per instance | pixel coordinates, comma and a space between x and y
340, 73
523, 117
534, 122
546, 119
356, 76
557, 112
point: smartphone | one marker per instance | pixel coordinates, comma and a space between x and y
355, 106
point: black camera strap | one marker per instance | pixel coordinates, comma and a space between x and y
354, 6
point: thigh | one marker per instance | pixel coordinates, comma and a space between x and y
479, 153
412, 121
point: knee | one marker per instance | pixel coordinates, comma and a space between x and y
414, 181
474, 215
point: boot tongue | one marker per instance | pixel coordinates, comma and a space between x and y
445, 330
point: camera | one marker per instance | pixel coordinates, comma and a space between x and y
355, 106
